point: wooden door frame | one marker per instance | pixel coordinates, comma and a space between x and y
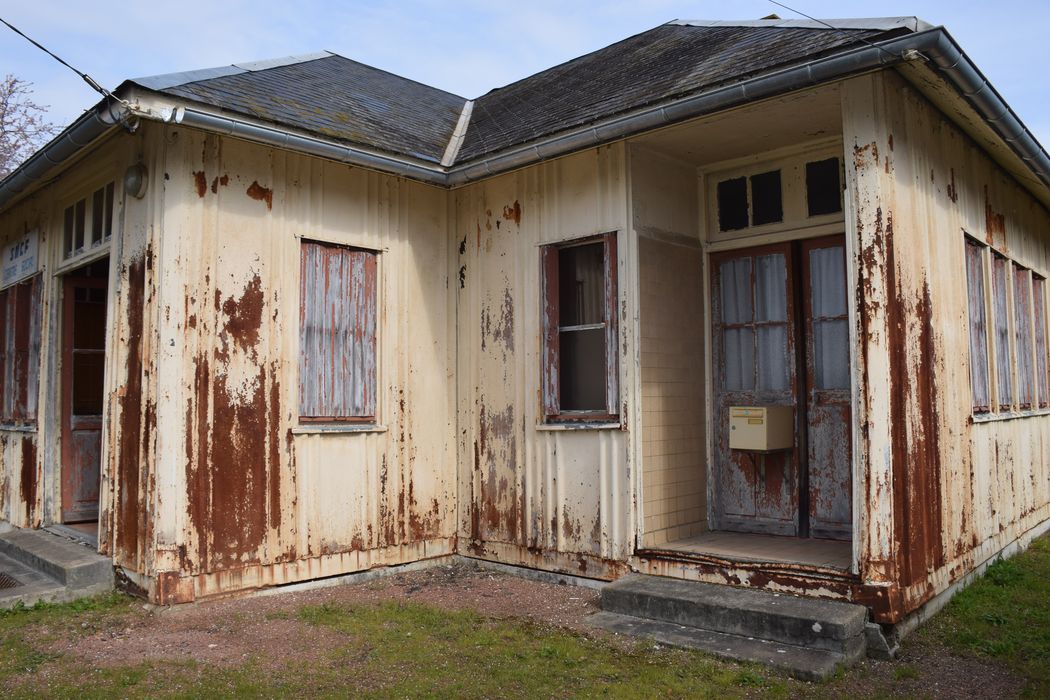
69, 281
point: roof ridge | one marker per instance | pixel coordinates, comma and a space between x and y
163, 81
911, 22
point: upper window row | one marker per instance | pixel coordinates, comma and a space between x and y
88, 222
758, 199
1008, 341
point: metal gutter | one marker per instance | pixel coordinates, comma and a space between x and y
935, 45
277, 137
85, 130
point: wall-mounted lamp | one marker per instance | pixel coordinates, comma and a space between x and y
135, 180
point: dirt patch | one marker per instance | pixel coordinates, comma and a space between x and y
267, 628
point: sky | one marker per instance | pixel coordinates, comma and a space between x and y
466, 47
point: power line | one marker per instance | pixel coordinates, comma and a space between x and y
836, 29
84, 76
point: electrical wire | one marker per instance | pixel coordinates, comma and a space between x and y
84, 76
836, 29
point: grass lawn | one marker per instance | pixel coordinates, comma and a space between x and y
391, 646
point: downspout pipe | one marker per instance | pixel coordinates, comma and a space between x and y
81, 133
935, 44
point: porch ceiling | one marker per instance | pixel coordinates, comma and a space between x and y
776, 123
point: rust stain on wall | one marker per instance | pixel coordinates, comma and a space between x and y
260, 193
513, 212
994, 225
200, 182
244, 317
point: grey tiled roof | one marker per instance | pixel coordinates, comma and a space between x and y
668, 61
343, 100
331, 96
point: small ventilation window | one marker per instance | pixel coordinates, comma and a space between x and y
823, 187
732, 204
766, 198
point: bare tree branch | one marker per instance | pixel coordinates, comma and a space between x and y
23, 124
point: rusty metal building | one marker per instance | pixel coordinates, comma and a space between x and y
758, 303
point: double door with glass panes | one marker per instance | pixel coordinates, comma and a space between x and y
780, 337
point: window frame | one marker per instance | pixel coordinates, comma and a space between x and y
80, 218
370, 391
550, 355
979, 298
21, 410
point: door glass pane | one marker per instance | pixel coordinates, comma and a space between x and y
831, 347
827, 282
581, 284
773, 361
739, 359
770, 288
583, 370
735, 278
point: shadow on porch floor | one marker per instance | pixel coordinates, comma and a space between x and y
835, 554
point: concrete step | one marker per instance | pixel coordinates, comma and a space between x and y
783, 619
800, 662
71, 564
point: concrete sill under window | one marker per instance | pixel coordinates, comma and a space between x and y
323, 428
579, 425
1008, 415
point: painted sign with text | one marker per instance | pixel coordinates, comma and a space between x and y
20, 258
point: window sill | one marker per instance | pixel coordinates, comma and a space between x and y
1008, 415
12, 428
321, 428
578, 425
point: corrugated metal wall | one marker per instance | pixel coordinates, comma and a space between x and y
242, 494
941, 493
540, 495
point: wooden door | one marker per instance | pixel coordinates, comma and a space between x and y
829, 487
754, 353
83, 365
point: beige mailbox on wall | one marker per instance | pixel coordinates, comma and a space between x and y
761, 428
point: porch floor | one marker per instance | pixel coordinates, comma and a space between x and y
835, 554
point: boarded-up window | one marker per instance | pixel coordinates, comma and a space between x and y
20, 359
1023, 337
1039, 328
975, 287
579, 339
1001, 318
337, 334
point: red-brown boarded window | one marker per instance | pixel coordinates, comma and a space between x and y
337, 333
579, 329
20, 357
975, 287
1023, 337
1039, 327
1001, 316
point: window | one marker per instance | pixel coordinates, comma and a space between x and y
766, 201
975, 288
337, 334
1023, 337
823, 188
1039, 327
1001, 313
98, 210
20, 359
754, 320
580, 339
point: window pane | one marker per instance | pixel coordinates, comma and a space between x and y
732, 204
107, 221
1023, 337
582, 378
823, 189
1004, 374
773, 361
337, 332
88, 372
581, 284
827, 271
978, 326
78, 225
1039, 312
735, 282
98, 207
770, 288
831, 350
766, 199
739, 358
